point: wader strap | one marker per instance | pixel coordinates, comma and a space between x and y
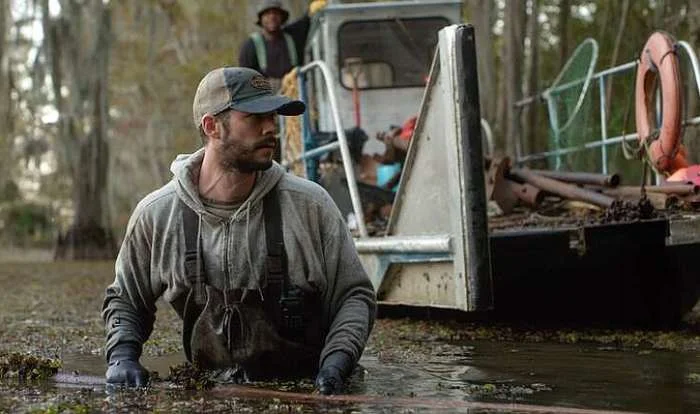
286, 303
261, 50
276, 256
194, 265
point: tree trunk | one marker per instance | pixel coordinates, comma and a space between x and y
532, 132
79, 47
621, 26
5, 97
482, 12
691, 102
514, 35
564, 13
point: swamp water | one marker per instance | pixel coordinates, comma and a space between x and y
53, 309
451, 378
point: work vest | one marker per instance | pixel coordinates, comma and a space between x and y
261, 51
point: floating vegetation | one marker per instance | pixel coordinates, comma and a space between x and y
190, 377
26, 367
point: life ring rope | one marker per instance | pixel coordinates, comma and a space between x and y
672, 51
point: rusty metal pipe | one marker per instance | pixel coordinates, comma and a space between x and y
672, 189
527, 193
605, 180
660, 201
562, 189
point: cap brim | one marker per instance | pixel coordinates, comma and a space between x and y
271, 103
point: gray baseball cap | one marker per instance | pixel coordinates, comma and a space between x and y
240, 89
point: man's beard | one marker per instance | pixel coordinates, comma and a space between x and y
241, 157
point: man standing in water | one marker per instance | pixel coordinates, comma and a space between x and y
258, 263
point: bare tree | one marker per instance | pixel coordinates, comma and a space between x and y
621, 26
78, 45
564, 14
533, 82
5, 84
514, 31
482, 12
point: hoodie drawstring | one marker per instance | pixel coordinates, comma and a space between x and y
248, 252
198, 286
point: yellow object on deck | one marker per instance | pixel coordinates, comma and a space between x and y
316, 5
293, 142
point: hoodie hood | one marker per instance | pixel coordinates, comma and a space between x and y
185, 169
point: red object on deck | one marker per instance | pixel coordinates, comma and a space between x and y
407, 128
689, 174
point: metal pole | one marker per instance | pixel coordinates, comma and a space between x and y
693, 61
342, 139
554, 123
603, 126
399, 244
309, 166
313, 153
595, 144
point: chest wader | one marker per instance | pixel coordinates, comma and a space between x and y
278, 337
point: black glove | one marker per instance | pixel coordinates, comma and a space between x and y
124, 367
336, 368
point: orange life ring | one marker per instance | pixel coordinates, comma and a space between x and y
659, 59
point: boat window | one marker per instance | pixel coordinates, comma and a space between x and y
387, 53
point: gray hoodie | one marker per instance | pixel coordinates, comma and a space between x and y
321, 256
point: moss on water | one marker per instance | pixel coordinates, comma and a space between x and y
27, 368
189, 377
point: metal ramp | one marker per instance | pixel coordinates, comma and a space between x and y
436, 252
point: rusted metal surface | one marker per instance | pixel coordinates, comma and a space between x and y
660, 201
527, 193
606, 180
559, 188
636, 191
498, 187
675, 188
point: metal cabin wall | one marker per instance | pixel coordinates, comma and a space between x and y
380, 108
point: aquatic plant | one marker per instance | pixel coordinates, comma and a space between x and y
27, 367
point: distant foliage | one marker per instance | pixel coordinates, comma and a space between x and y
26, 224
